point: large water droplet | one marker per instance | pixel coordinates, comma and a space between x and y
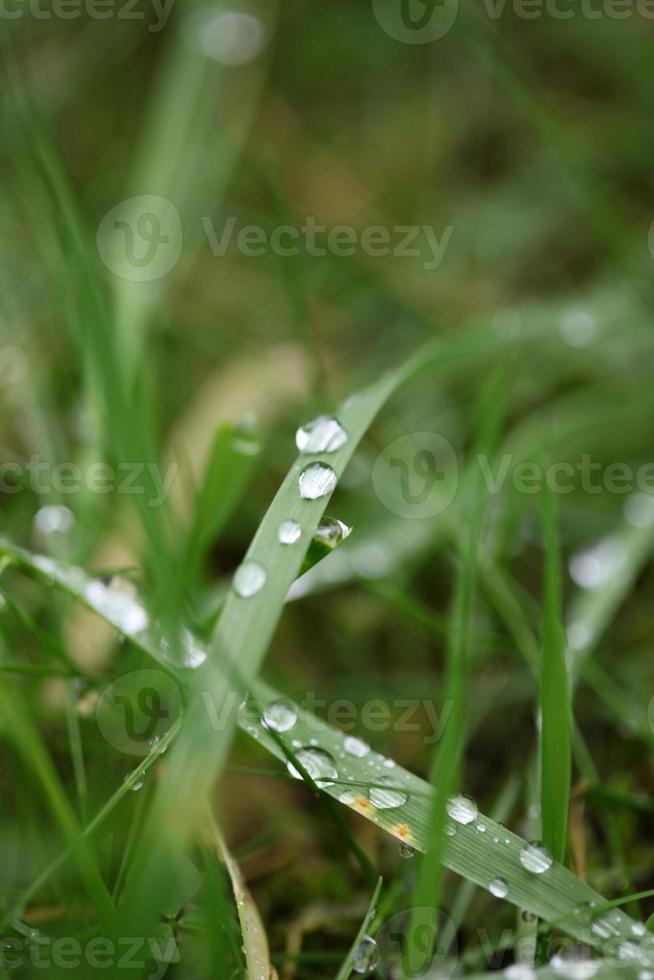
323, 434
289, 532
332, 531
355, 746
462, 809
499, 888
280, 716
117, 605
316, 480
519, 971
318, 764
535, 858
249, 579
366, 956
572, 968
387, 799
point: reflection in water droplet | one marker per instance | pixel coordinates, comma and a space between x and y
535, 858
355, 746
462, 809
323, 434
289, 532
406, 851
366, 956
249, 579
316, 480
387, 799
332, 531
319, 765
279, 716
499, 888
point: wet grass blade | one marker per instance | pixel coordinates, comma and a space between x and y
345, 971
479, 857
555, 700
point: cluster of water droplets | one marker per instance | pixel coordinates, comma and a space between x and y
323, 435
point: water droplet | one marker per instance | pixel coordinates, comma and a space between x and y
249, 579
319, 765
332, 531
519, 971
389, 763
279, 716
499, 888
387, 799
481, 827
638, 929
573, 968
646, 975
578, 328
289, 532
450, 829
535, 858
316, 480
137, 785
347, 797
323, 434
229, 37
596, 566
406, 851
118, 605
366, 956
53, 519
639, 510
355, 746
462, 809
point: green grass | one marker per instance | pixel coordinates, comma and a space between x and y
511, 630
